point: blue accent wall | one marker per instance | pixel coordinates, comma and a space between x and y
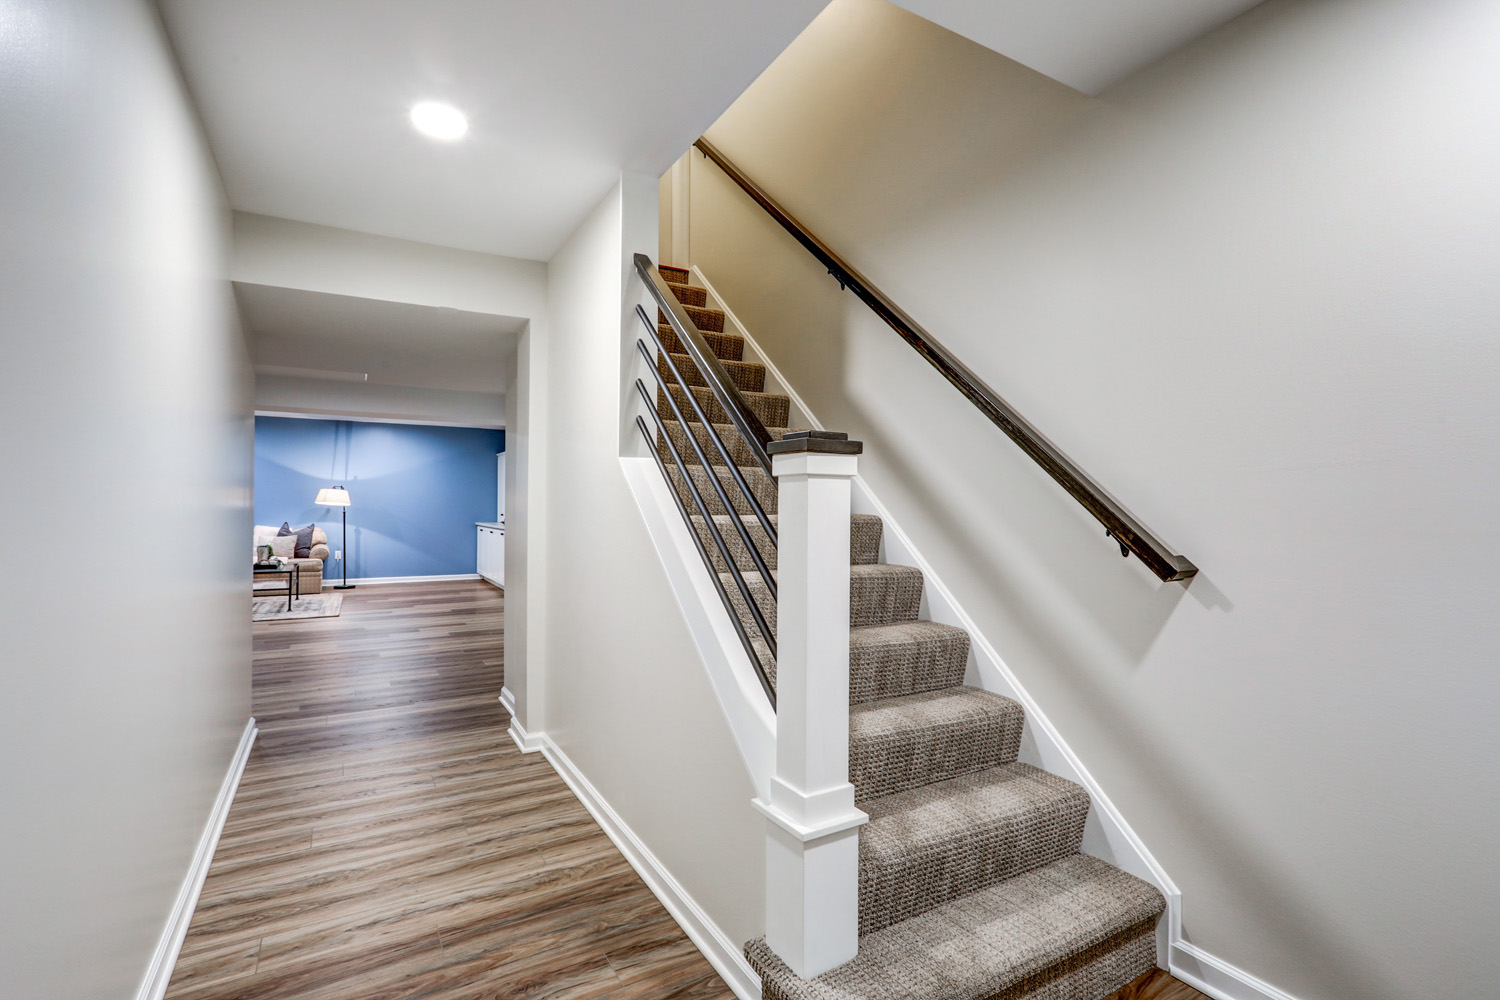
415, 491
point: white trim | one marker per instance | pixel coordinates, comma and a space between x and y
339, 417
164, 960
329, 582
1210, 974
526, 742
722, 953
507, 700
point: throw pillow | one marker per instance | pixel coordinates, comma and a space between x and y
304, 538
285, 546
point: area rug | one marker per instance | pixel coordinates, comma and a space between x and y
273, 609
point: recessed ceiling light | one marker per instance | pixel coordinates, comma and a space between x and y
440, 121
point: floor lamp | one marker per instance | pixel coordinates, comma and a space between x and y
338, 497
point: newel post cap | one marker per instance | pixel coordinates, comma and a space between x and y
815, 442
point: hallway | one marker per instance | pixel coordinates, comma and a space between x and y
389, 841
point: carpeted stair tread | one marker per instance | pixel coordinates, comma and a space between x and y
739, 449
887, 661
864, 540
930, 845
689, 295
748, 376
726, 346
1077, 929
919, 739
771, 407
705, 320
674, 275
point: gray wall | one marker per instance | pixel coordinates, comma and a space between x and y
1254, 291
619, 685
125, 440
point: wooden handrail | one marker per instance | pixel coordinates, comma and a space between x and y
1119, 523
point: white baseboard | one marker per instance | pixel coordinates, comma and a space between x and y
375, 581
527, 742
1210, 974
159, 972
722, 953
517, 732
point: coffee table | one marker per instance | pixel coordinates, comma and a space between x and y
293, 574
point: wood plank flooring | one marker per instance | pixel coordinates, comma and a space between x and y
389, 842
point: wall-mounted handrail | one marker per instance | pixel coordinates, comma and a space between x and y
725, 391
1119, 523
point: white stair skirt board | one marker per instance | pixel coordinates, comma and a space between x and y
375, 581
1210, 974
735, 683
722, 953
1107, 835
164, 960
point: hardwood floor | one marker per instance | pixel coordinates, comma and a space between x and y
1157, 985
389, 842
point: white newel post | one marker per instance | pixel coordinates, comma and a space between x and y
812, 829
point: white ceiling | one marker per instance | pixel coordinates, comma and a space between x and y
395, 343
1086, 44
306, 102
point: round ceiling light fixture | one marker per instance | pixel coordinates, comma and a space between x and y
439, 121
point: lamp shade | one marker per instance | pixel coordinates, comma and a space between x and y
335, 496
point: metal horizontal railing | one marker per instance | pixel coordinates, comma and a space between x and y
756, 437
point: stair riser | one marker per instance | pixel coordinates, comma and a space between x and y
893, 762
890, 671
864, 542
762, 485
739, 450
884, 599
747, 376
873, 600
704, 319
726, 346
1023, 825
771, 408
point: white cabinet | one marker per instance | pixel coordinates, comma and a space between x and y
492, 553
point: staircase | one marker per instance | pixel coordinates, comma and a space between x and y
971, 883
